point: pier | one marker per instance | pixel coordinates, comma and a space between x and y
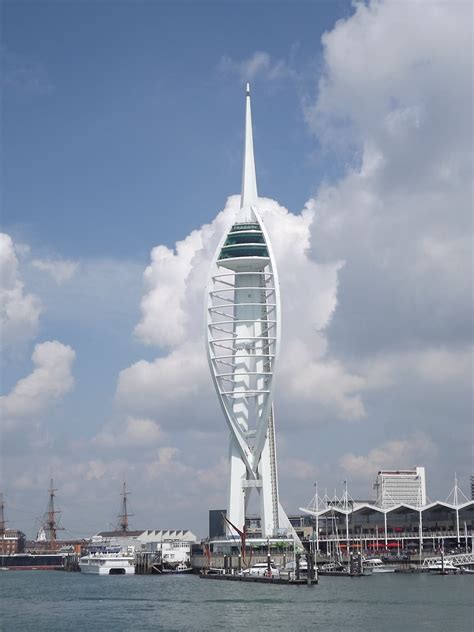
288, 581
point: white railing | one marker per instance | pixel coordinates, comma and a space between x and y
458, 560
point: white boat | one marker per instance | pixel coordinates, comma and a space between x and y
116, 563
467, 571
261, 570
180, 568
291, 566
437, 567
377, 566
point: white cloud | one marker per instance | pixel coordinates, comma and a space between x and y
133, 432
35, 394
428, 367
163, 314
299, 469
19, 311
172, 316
401, 216
400, 453
259, 64
60, 269
310, 379
164, 462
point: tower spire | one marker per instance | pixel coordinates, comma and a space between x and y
249, 194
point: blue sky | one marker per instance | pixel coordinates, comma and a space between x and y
122, 128
123, 111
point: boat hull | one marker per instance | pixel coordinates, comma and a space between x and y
94, 569
107, 564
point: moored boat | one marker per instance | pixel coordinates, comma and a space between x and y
442, 567
108, 563
262, 570
377, 566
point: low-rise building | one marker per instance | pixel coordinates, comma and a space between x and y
173, 546
12, 541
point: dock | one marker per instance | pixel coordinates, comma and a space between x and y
288, 581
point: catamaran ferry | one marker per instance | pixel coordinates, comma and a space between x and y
108, 563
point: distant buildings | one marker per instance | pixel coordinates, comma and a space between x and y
472, 487
395, 487
12, 541
173, 546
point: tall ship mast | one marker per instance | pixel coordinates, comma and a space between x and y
2, 521
50, 524
124, 516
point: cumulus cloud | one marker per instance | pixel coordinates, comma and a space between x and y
163, 313
33, 395
60, 269
20, 311
132, 433
401, 216
401, 453
401, 219
172, 316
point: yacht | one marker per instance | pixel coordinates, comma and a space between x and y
377, 566
108, 563
437, 567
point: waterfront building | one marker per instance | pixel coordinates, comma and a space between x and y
402, 527
393, 487
243, 342
12, 542
173, 545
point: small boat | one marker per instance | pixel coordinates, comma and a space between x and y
438, 567
291, 566
107, 563
334, 568
179, 569
377, 566
262, 570
467, 571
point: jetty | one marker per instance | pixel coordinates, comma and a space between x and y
289, 580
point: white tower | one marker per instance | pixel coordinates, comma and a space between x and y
243, 340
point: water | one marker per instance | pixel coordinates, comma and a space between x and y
55, 600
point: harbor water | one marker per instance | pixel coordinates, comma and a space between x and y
56, 600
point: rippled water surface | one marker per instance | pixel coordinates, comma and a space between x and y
55, 600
